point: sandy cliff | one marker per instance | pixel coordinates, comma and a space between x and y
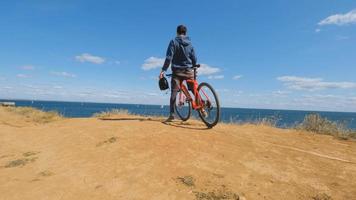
130, 157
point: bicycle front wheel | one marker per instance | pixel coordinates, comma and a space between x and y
210, 111
183, 106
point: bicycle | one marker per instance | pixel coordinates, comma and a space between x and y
205, 102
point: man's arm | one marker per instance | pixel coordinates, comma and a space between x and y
169, 56
193, 57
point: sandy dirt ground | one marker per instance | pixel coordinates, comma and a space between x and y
130, 157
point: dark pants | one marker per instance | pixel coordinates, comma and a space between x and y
178, 76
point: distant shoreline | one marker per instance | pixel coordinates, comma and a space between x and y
247, 108
281, 118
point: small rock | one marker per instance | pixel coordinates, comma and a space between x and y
187, 180
46, 173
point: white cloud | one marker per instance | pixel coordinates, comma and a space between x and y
280, 92
342, 37
340, 19
155, 62
86, 57
23, 76
312, 84
317, 30
223, 90
152, 63
300, 100
64, 74
327, 102
237, 77
113, 96
207, 70
216, 77
31, 86
57, 87
28, 67
151, 93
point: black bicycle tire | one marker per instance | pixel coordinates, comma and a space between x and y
189, 109
217, 119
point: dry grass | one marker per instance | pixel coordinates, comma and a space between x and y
111, 113
312, 123
322, 196
33, 114
266, 121
222, 193
317, 124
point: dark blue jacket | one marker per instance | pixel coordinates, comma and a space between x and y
180, 53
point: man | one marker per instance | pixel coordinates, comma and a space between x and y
181, 54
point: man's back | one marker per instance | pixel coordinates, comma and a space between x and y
180, 53
184, 55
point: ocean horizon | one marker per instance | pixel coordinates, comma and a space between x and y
284, 118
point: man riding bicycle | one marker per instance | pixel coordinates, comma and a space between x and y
181, 54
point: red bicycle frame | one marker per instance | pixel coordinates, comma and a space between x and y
198, 103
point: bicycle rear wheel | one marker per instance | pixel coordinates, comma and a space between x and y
183, 106
210, 111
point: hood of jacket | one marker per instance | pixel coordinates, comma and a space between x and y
183, 40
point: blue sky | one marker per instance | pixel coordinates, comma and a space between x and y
257, 54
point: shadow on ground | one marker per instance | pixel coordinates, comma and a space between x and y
130, 119
178, 124
186, 125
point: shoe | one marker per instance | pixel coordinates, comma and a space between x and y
170, 118
204, 113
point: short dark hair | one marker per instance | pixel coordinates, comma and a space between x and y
181, 30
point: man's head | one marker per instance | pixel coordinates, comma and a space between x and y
181, 30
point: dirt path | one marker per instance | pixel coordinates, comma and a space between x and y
138, 158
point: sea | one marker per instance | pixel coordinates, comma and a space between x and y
283, 118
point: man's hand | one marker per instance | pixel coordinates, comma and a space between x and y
161, 74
